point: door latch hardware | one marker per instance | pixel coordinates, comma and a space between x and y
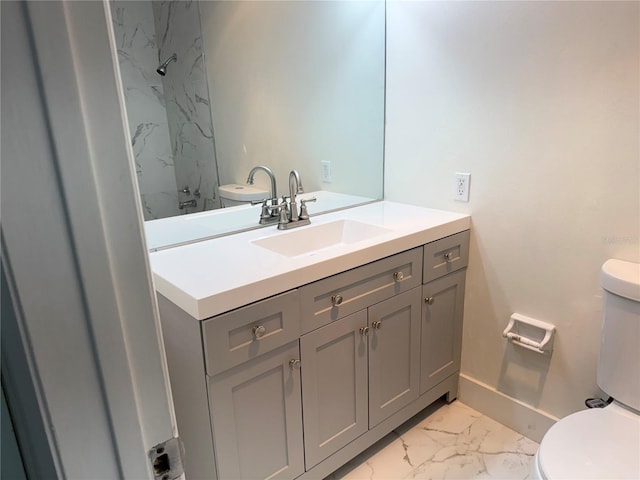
166, 459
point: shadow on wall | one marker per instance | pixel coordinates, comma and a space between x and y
523, 374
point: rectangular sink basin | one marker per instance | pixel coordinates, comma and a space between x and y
310, 240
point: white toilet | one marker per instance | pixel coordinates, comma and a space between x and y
604, 443
234, 194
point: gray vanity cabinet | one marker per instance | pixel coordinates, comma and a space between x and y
257, 417
394, 354
334, 385
445, 264
340, 295
358, 371
252, 360
441, 329
236, 387
296, 385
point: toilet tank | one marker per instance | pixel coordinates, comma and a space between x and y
233, 194
619, 362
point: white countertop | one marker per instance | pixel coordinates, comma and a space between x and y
184, 229
213, 276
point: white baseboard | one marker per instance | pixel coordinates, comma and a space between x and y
519, 416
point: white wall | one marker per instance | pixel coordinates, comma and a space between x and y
540, 102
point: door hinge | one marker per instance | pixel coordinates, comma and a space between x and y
166, 459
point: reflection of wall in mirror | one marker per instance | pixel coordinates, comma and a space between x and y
145, 102
296, 83
169, 118
177, 25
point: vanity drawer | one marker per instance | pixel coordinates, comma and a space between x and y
327, 300
446, 255
235, 337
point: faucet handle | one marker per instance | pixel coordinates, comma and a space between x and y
304, 214
265, 213
285, 203
281, 211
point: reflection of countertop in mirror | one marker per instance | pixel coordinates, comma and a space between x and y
213, 276
184, 229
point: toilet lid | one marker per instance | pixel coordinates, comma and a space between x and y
242, 193
600, 443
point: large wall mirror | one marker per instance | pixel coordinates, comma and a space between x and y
215, 88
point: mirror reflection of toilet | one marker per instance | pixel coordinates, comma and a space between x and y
604, 443
233, 194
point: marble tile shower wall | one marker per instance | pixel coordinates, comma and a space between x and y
177, 27
145, 100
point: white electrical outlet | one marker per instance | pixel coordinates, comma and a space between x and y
325, 165
461, 187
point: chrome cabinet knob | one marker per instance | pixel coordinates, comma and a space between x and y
259, 331
336, 299
428, 300
294, 364
364, 331
448, 257
377, 324
398, 276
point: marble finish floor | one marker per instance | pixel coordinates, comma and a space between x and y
445, 442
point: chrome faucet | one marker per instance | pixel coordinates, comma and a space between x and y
295, 188
289, 216
188, 204
267, 170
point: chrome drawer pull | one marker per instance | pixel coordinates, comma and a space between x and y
448, 257
259, 331
336, 299
364, 331
377, 324
398, 276
294, 364
428, 300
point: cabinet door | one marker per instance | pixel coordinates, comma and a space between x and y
394, 354
257, 418
441, 328
334, 385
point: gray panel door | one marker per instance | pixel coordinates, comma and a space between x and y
394, 354
257, 418
441, 329
334, 385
